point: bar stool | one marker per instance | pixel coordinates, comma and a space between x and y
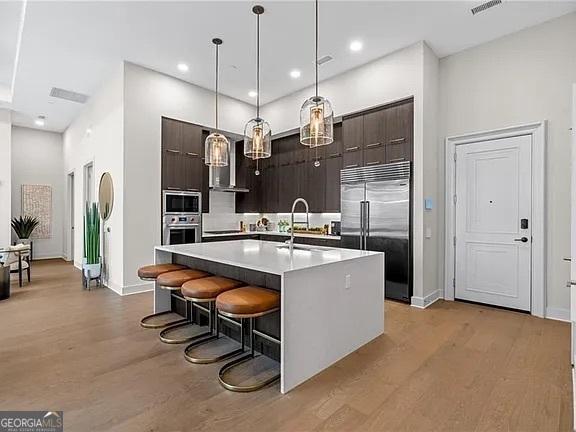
150, 273
247, 303
173, 281
206, 290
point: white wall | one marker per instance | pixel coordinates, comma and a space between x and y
5, 177
521, 78
390, 78
96, 135
37, 158
148, 96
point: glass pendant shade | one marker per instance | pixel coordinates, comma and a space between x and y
316, 122
217, 149
257, 139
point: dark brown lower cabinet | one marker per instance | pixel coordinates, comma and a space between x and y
332, 186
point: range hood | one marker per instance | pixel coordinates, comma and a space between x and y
221, 177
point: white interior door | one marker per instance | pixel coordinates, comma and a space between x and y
493, 222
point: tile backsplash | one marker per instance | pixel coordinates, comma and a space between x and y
223, 214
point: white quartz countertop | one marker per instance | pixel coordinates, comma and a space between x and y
274, 233
265, 256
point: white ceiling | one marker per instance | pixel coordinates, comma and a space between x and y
75, 45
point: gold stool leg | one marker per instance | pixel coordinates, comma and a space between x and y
248, 357
165, 334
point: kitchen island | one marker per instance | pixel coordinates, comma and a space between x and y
332, 299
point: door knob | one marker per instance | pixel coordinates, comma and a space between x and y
523, 239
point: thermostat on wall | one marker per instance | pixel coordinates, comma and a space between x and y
428, 204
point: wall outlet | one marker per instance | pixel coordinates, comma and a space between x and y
348, 283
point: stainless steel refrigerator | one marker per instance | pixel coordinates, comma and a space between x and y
376, 216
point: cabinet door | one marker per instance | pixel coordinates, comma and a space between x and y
284, 148
269, 179
300, 151
314, 187
171, 153
375, 156
249, 202
352, 159
192, 142
192, 172
374, 129
287, 188
332, 188
353, 133
398, 128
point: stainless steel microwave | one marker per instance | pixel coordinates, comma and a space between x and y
177, 203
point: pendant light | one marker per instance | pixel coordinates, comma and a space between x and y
316, 114
257, 133
217, 147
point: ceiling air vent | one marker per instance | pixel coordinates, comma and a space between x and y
68, 95
485, 6
325, 59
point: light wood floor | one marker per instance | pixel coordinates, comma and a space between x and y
452, 367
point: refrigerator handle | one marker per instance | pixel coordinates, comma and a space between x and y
361, 225
367, 223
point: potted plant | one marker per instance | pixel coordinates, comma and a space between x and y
91, 265
23, 226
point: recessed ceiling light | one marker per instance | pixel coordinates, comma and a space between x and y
295, 73
252, 94
40, 121
183, 67
355, 46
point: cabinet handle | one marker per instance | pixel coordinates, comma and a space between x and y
397, 140
372, 163
192, 154
397, 160
351, 166
373, 144
172, 151
172, 188
352, 148
333, 155
193, 190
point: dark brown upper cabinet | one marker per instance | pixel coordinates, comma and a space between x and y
399, 131
353, 134
332, 185
182, 164
374, 129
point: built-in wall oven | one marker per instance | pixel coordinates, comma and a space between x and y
182, 217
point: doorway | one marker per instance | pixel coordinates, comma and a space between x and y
70, 225
495, 218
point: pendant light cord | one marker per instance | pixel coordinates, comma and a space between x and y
217, 70
258, 65
316, 49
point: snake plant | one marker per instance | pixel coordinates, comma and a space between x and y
24, 225
92, 234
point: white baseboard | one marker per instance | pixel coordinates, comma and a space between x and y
559, 314
138, 288
424, 302
47, 257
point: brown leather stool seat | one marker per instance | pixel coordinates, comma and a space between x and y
175, 279
246, 302
151, 272
208, 288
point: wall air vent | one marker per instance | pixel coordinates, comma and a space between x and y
68, 95
324, 60
485, 6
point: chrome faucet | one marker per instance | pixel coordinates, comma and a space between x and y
296, 201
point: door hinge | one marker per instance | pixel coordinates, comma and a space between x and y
455, 199
454, 157
454, 240
454, 283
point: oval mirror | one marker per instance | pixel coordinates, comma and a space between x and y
106, 196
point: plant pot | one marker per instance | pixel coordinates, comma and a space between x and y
4, 283
91, 271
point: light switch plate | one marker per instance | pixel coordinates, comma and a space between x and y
428, 204
348, 282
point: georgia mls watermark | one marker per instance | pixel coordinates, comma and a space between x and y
31, 421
